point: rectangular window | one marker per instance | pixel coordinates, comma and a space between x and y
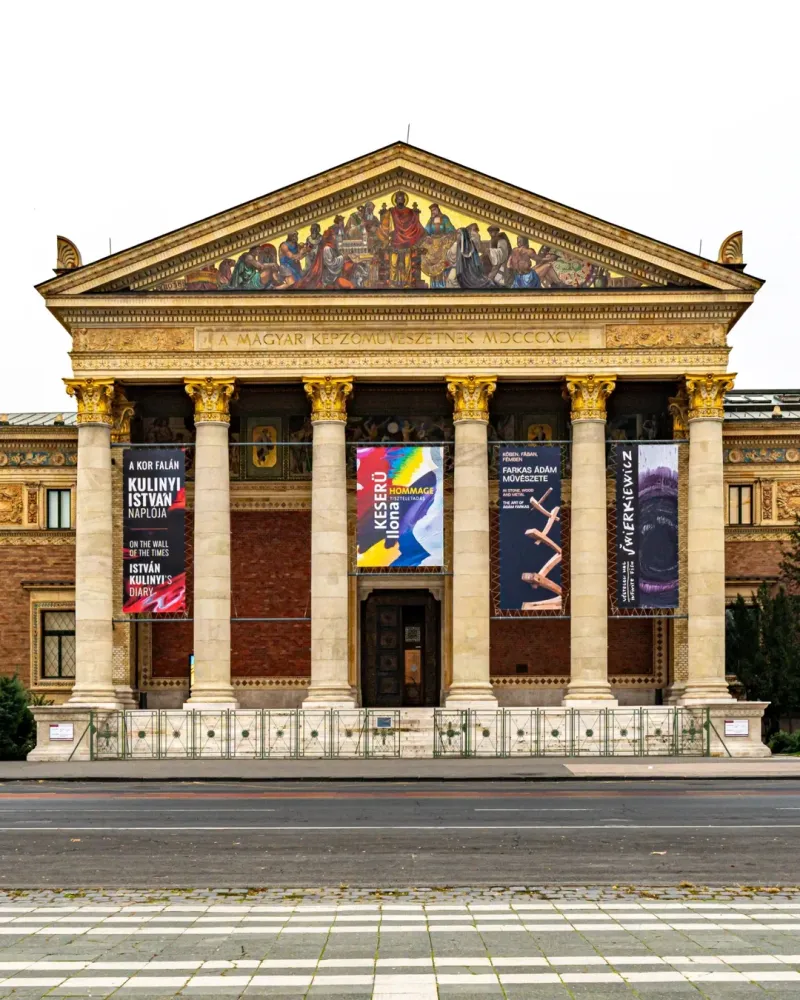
740, 505
58, 644
59, 508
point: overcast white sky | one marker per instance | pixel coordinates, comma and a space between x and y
124, 121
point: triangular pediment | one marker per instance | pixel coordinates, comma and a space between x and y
397, 219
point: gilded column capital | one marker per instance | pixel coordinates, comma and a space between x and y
588, 394
471, 395
679, 411
94, 396
328, 396
122, 409
706, 395
211, 397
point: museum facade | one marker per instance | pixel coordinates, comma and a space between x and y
405, 315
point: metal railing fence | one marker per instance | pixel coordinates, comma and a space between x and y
376, 733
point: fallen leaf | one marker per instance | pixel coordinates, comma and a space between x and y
74, 840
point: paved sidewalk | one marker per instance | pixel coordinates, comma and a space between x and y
419, 944
410, 769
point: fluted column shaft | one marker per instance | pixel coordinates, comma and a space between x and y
94, 685
330, 685
588, 572
471, 558
706, 541
212, 546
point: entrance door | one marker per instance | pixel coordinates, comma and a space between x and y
400, 644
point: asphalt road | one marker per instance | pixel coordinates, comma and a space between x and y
191, 835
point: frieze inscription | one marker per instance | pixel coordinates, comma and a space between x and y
273, 340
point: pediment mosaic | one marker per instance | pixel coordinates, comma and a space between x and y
399, 239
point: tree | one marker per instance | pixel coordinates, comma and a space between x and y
763, 650
790, 563
17, 725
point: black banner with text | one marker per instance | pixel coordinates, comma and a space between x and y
154, 513
647, 525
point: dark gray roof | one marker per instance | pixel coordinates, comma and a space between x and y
38, 419
763, 404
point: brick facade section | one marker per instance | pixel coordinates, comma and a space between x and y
270, 578
544, 646
37, 564
752, 560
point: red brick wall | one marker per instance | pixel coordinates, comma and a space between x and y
745, 560
270, 578
630, 646
271, 569
542, 644
33, 564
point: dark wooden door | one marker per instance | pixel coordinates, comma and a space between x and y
400, 642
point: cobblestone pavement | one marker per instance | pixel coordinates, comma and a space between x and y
424, 943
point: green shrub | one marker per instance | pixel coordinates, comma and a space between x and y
783, 742
17, 725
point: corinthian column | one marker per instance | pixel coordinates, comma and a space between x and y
212, 544
471, 603
706, 541
329, 675
94, 685
122, 409
588, 556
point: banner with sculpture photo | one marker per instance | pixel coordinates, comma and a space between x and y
400, 506
530, 528
647, 525
153, 530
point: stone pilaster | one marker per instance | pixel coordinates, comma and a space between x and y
122, 409
706, 541
330, 685
588, 575
212, 544
94, 685
471, 581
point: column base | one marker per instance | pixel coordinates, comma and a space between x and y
126, 697
211, 698
674, 693
589, 694
705, 694
105, 698
470, 694
329, 696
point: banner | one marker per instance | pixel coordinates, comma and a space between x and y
530, 528
647, 525
153, 536
400, 506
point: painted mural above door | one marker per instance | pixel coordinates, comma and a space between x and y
399, 240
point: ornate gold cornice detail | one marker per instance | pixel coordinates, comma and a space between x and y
328, 396
471, 395
588, 394
668, 335
211, 398
94, 396
664, 363
122, 409
679, 411
731, 250
706, 395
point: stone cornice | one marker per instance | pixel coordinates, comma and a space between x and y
320, 196
375, 364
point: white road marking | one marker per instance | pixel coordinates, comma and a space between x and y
395, 828
515, 810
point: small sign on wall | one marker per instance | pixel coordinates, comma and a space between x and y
737, 727
62, 731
